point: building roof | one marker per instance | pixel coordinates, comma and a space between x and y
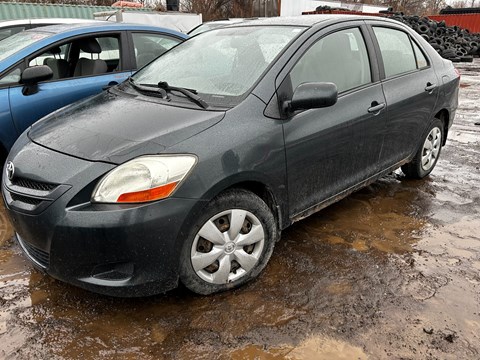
13, 10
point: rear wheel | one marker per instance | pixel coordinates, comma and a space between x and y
427, 156
230, 244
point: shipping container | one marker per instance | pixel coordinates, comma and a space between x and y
466, 21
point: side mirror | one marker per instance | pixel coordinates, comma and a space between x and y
312, 96
31, 76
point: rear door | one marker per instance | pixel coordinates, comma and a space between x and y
410, 85
331, 149
67, 86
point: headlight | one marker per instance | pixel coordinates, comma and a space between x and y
143, 179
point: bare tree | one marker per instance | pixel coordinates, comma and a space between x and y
219, 9
415, 7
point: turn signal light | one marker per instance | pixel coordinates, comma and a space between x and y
148, 195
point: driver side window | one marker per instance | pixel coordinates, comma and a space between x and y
340, 58
55, 59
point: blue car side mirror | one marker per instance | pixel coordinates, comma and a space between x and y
31, 76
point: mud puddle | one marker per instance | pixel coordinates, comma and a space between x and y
391, 271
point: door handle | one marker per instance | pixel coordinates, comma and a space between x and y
110, 84
376, 108
430, 87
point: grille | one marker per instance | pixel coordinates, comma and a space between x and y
25, 199
40, 256
35, 185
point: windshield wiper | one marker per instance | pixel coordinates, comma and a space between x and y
162, 87
189, 93
149, 88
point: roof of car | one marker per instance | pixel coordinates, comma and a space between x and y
4, 23
100, 26
305, 20
54, 33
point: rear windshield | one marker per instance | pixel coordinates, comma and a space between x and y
221, 64
19, 41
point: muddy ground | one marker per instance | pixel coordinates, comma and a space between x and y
392, 271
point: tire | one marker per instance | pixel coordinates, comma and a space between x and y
427, 155
229, 264
423, 29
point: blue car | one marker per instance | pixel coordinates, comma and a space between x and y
44, 69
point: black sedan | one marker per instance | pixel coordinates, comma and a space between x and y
189, 170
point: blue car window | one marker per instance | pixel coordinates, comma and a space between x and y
150, 46
109, 55
57, 52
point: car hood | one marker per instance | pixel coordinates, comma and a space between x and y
115, 127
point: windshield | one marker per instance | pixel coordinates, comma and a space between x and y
19, 41
220, 65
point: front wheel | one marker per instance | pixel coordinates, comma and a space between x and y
230, 244
427, 156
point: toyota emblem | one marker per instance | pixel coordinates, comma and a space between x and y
10, 170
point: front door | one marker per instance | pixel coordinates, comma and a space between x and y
331, 149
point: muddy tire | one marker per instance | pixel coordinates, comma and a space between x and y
427, 155
230, 243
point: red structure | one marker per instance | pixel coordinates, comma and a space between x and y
466, 21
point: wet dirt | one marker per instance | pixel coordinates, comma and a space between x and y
391, 271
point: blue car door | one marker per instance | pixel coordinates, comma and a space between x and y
52, 95
81, 68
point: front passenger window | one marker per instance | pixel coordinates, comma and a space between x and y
82, 57
340, 58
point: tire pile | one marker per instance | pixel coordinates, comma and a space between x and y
451, 42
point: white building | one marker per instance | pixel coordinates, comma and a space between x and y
296, 7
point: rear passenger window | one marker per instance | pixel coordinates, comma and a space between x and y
396, 49
151, 46
421, 59
340, 58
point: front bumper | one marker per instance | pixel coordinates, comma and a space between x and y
118, 250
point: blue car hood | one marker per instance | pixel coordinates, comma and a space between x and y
115, 127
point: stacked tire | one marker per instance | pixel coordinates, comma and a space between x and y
451, 42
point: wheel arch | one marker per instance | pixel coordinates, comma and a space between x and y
444, 116
247, 181
265, 193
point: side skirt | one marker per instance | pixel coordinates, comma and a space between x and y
315, 208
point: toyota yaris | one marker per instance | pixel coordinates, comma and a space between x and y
189, 170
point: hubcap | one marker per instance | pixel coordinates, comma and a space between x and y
227, 246
431, 148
